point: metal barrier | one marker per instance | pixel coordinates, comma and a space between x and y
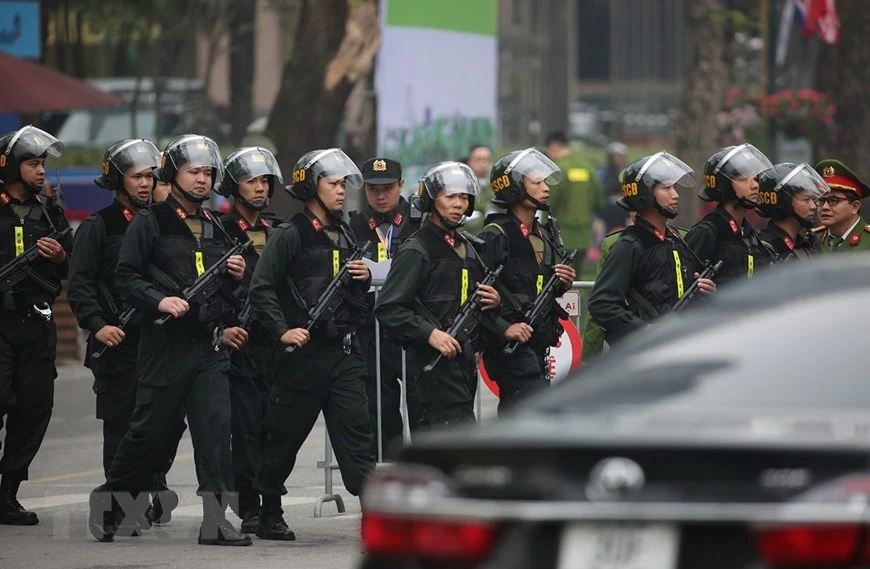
327, 463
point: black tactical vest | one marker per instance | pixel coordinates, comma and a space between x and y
114, 220
738, 247
317, 263
178, 255
665, 272
525, 278
451, 280
35, 226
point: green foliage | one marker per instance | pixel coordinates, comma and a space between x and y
444, 139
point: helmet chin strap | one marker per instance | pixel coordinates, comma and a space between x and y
666, 211
448, 223
806, 222
332, 215
191, 197
253, 206
32, 188
135, 201
540, 205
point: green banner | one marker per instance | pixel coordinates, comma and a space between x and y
469, 16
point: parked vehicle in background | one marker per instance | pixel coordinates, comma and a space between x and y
735, 435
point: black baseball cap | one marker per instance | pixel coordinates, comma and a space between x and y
381, 171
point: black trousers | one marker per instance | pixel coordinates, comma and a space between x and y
391, 425
116, 400
517, 375
178, 372
250, 376
447, 392
318, 377
28, 345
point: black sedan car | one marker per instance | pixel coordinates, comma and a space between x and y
735, 435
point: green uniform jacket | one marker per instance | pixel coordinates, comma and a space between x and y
857, 240
574, 200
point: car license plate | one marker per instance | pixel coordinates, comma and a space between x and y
618, 546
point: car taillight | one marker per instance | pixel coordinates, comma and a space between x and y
426, 539
808, 544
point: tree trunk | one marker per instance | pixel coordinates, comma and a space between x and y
242, 60
706, 81
336, 46
843, 73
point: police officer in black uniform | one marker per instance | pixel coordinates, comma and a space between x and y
650, 266
28, 337
433, 274
326, 370
250, 177
166, 247
787, 195
731, 178
521, 185
94, 298
386, 222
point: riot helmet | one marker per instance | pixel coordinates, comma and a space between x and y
445, 179
639, 179
331, 163
778, 188
25, 144
730, 164
245, 164
186, 152
136, 153
507, 174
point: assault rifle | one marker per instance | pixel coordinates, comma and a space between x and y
543, 302
709, 273
16, 270
466, 320
123, 320
209, 282
327, 302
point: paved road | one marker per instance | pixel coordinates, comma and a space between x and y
69, 466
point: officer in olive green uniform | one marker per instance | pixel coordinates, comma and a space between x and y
843, 228
576, 198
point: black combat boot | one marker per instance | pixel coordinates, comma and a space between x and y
11, 511
251, 520
162, 504
272, 524
215, 529
105, 515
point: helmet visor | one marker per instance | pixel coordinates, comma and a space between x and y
450, 178
31, 142
744, 161
666, 169
335, 165
804, 178
249, 163
137, 154
530, 163
194, 151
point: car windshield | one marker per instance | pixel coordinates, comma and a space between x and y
797, 355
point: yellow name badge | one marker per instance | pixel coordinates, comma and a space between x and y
336, 262
578, 175
19, 240
463, 293
539, 285
750, 265
382, 253
200, 265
